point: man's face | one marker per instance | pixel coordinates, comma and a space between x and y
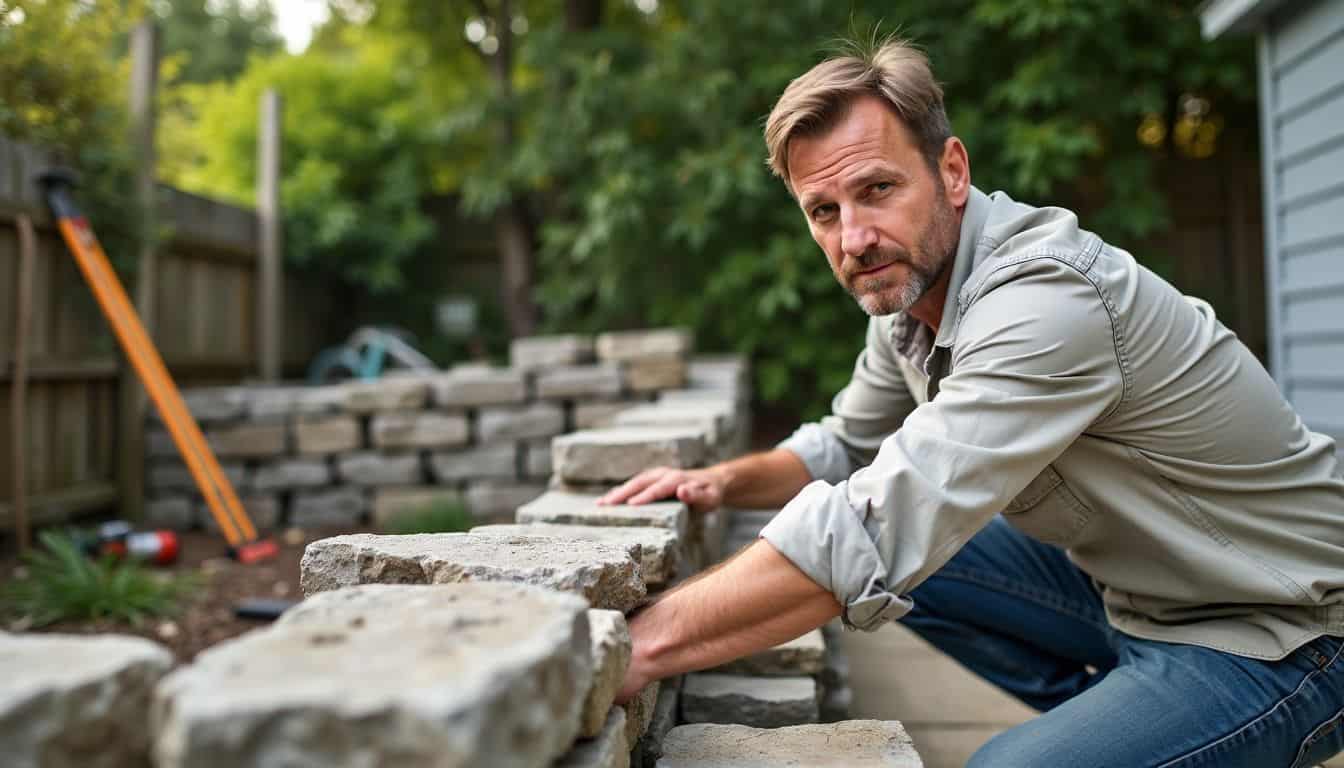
877, 210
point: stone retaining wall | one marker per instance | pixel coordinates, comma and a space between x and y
504, 646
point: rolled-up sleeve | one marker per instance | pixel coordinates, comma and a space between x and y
863, 414
1032, 367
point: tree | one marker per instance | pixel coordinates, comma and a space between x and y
210, 40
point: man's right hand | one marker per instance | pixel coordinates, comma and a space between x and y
700, 489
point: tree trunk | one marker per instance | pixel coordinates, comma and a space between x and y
582, 14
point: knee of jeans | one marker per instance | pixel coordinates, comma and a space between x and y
1009, 750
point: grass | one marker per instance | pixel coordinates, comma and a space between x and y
447, 516
62, 583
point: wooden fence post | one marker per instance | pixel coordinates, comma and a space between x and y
270, 271
144, 85
18, 395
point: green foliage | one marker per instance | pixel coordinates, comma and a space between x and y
204, 41
448, 516
64, 584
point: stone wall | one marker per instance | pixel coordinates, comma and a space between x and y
504, 646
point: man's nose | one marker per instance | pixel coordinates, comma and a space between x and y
857, 234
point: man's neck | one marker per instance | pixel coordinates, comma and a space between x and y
929, 309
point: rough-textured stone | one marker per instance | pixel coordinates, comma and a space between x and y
396, 393
496, 462
804, 655
418, 429
650, 746
608, 749
618, 453
582, 509
262, 510
391, 503
714, 419
288, 474
851, 744
175, 512
654, 375
604, 574
248, 440
338, 507
762, 702
657, 343
170, 476
659, 549
535, 352
496, 502
600, 413
77, 701
278, 402
639, 712
452, 676
519, 423
469, 386
372, 468
579, 381
211, 405
558, 483
610, 643
726, 374
318, 436
535, 461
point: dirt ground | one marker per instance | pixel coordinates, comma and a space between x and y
206, 616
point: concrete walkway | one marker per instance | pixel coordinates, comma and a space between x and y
948, 711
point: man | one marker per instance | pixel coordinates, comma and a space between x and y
1048, 463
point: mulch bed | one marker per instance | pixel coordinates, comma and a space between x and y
207, 616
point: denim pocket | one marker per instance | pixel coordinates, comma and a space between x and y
1323, 743
1048, 511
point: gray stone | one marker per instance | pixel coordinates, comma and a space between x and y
658, 548
371, 468
159, 444
603, 574
558, 483
804, 655
338, 507
173, 512
710, 534
418, 429
582, 509
654, 375
536, 459
169, 476
618, 453
211, 405
248, 440
851, 744
449, 677
715, 398
77, 701
535, 352
762, 702
496, 502
497, 462
608, 749
392, 503
396, 393
751, 520
650, 746
279, 402
714, 419
723, 373
263, 511
470, 386
836, 704
600, 413
519, 423
580, 381
610, 643
658, 343
639, 712
288, 474
319, 436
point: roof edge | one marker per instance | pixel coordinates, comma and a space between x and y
1217, 17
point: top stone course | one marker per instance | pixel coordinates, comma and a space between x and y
632, 346
534, 352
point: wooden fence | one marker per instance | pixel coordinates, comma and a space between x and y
205, 310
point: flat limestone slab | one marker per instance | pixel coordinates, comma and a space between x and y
654, 343
68, 700
804, 655
619, 453
533, 352
762, 702
850, 744
469, 385
610, 642
444, 676
659, 548
608, 749
582, 509
714, 419
603, 574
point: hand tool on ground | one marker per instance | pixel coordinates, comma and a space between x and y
233, 521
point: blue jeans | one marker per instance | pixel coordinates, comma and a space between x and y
1021, 615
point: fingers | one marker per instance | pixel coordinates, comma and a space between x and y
699, 495
633, 486
665, 486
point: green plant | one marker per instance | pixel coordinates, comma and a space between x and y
445, 516
62, 583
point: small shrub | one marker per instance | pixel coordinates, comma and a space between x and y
62, 583
449, 516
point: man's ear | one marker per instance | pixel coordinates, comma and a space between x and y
955, 168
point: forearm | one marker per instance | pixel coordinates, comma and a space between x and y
756, 600
762, 480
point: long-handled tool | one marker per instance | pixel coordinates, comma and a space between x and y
244, 545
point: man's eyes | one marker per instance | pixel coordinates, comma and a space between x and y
822, 212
